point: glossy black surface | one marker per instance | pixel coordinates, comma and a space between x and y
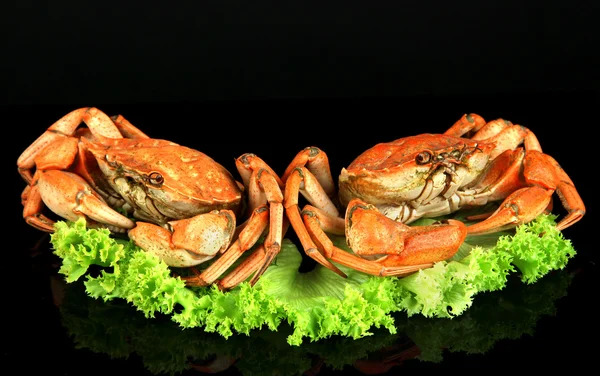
551, 323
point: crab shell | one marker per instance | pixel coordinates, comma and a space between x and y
397, 172
162, 181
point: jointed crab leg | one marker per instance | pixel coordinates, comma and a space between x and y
506, 135
248, 165
300, 180
293, 212
510, 137
264, 186
63, 129
127, 129
274, 237
253, 262
318, 164
32, 210
467, 123
541, 177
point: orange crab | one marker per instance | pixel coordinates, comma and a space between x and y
178, 203
429, 175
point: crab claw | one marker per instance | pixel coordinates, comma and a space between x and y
71, 197
193, 240
376, 237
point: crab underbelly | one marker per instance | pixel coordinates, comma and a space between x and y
441, 205
395, 189
410, 211
439, 196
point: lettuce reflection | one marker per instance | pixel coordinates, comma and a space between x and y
117, 329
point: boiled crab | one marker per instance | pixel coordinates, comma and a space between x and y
429, 175
176, 201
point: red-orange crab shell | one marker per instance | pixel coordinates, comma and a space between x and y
397, 171
163, 180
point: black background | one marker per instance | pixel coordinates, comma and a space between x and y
272, 78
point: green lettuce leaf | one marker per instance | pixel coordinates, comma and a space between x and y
79, 248
535, 255
317, 304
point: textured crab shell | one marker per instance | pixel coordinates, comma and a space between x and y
388, 172
189, 182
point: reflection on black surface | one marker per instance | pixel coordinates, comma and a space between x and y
117, 330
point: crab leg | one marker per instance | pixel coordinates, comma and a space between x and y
309, 174
467, 123
127, 129
254, 261
569, 197
543, 176
253, 229
247, 165
274, 237
32, 209
264, 186
328, 223
63, 129
491, 129
301, 180
317, 162
520, 207
511, 137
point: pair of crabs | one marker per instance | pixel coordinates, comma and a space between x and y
185, 207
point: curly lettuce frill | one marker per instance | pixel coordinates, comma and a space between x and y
317, 304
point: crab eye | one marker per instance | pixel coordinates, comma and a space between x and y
111, 161
455, 153
155, 178
423, 157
